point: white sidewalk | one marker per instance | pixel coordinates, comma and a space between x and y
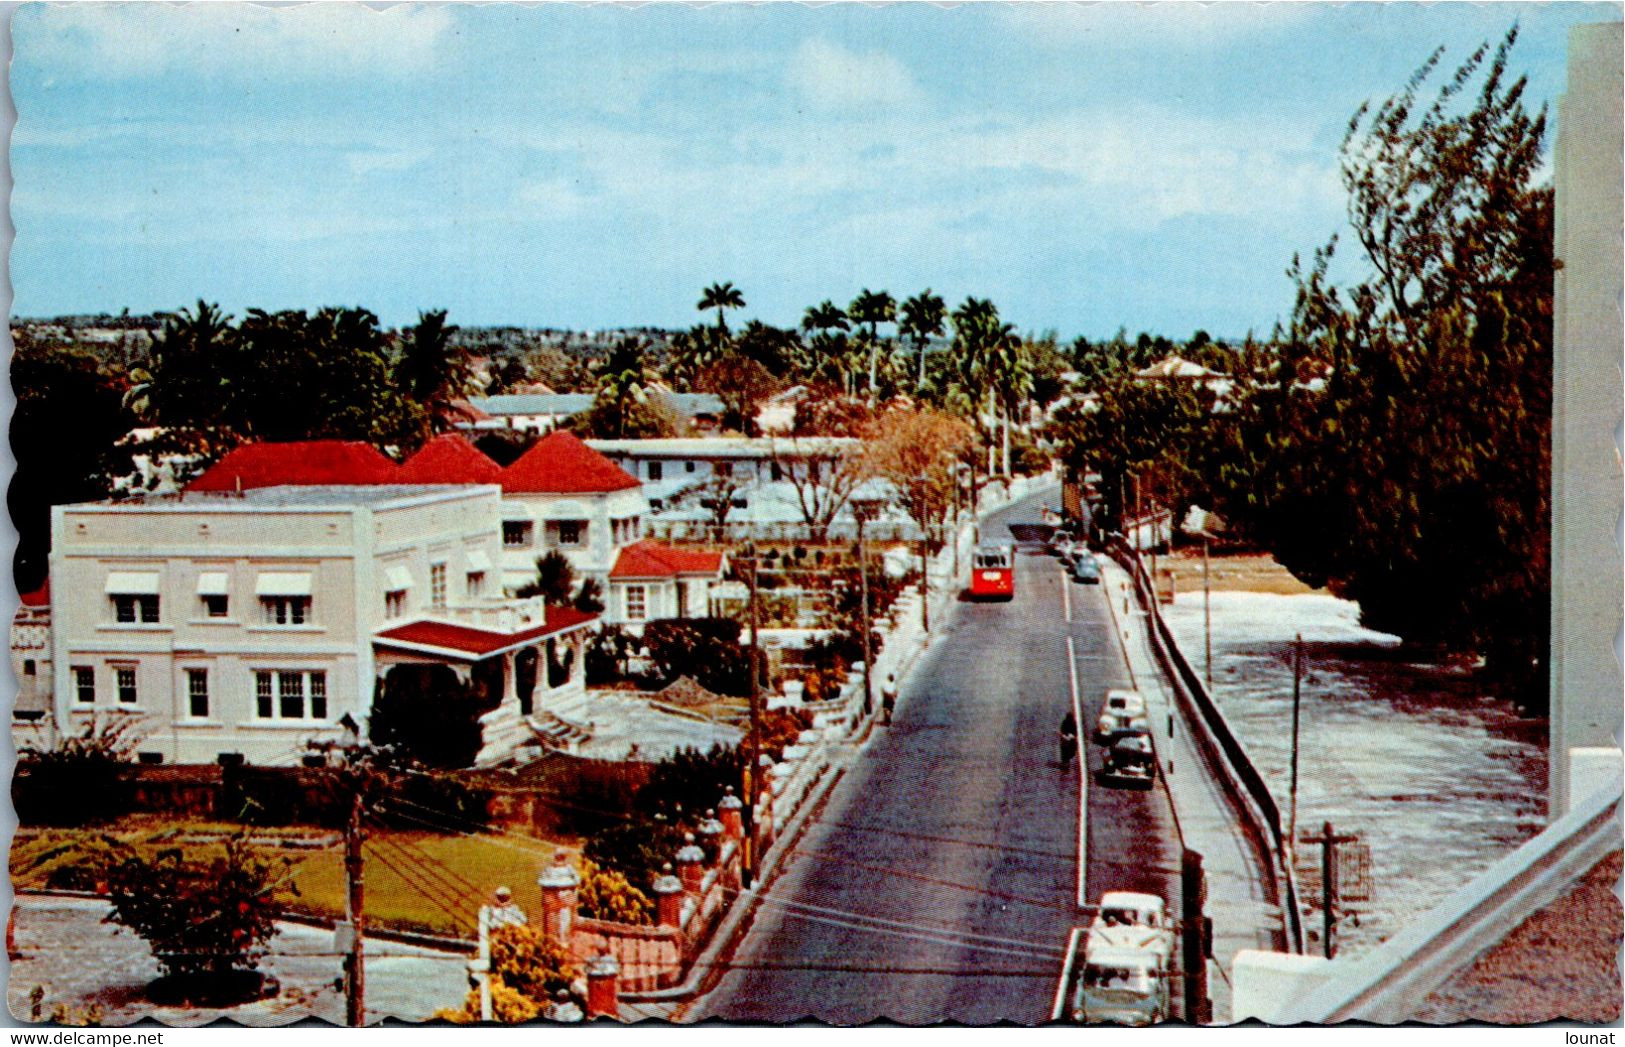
1242, 915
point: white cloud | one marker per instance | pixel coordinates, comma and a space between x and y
1180, 26
829, 77
317, 40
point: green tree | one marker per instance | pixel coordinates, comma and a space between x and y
721, 297
1402, 444
873, 308
429, 715
554, 582
920, 319
621, 383
827, 350
431, 368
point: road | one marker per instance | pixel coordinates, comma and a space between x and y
941, 880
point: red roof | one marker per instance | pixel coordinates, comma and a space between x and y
303, 462
40, 597
652, 560
448, 459
561, 464
474, 644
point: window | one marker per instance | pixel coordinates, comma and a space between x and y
657, 471
126, 684
637, 603
197, 693
281, 695
516, 534
570, 532
688, 467
722, 469
476, 583
128, 609
437, 586
394, 603
84, 683
216, 606
286, 610
776, 471
28, 667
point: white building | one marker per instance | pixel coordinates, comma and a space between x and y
701, 458
252, 622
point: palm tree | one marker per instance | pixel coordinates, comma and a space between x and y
919, 319
873, 308
188, 380
622, 378
430, 369
819, 320
719, 297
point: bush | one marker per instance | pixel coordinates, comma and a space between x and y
526, 971
278, 796
78, 782
605, 894
508, 1006
207, 923
637, 849
606, 655
429, 715
706, 649
782, 727
691, 781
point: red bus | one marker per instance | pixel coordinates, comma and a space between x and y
993, 572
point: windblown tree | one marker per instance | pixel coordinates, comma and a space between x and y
920, 319
1402, 448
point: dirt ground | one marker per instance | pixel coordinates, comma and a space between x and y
1252, 573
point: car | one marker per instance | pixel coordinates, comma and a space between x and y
1130, 760
1132, 920
1120, 707
1086, 569
1061, 545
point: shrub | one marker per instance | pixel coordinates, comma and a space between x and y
429, 715
605, 894
706, 649
555, 578
80, 781
207, 923
637, 849
782, 727
529, 963
278, 796
606, 655
691, 780
508, 1006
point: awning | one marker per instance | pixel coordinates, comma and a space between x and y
277, 583
213, 583
132, 583
478, 561
512, 510
399, 577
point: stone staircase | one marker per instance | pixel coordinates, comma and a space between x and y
552, 730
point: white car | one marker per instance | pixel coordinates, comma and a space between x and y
1132, 920
1121, 709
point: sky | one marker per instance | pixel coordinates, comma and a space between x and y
1086, 167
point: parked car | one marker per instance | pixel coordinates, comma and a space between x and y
1086, 569
1121, 707
1122, 986
1130, 760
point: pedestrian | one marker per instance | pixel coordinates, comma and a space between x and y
1069, 740
888, 697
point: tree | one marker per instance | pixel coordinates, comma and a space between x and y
775, 348
207, 923
992, 373
1400, 450
873, 308
717, 496
431, 368
721, 297
740, 383
920, 319
192, 375
429, 715
554, 582
919, 451
706, 649
827, 352
621, 383
822, 476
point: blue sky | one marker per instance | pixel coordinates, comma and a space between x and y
1085, 167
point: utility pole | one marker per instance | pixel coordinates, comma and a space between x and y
925, 582
1328, 841
751, 768
1207, 609
1297, 691
861, 512
1194, 937
355, 973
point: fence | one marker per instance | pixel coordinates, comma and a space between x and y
1239, 776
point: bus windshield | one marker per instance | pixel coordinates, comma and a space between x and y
992, 558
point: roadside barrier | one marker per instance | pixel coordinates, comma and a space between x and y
1240, 777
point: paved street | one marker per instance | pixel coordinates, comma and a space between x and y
942, 879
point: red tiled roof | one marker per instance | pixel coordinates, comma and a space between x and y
561, 464
302, 462
40, 597
652, 560
448, 459
474, 644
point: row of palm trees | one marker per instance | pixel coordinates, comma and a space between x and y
986, 374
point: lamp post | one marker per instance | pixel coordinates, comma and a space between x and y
863, 509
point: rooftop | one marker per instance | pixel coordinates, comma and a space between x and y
305, 462
648, 559
561, 464
465, 642
289, 496
448, 459
724, 446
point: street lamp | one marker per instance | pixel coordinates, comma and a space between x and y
864, 509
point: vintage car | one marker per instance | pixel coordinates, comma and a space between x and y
1121, 706
1130, 760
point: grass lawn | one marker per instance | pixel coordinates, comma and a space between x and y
1253, 573
414, 881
